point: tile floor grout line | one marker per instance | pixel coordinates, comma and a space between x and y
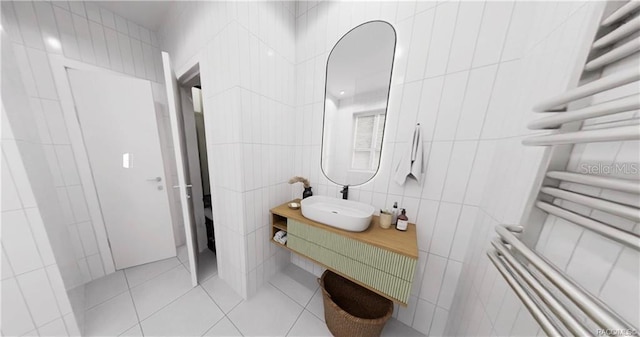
314, 294
294, 322
166, 305
104, 301
311, 312
128, 286
214, 301
154, 312
214, 324
135, 308
235, 306
303, 307
224, 314
154, 277
280, 290
243, 300
182, 263
129, 328
234, 324
316, 316
296, 302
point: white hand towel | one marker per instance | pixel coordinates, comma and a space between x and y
279, 234
280, 239
417, 156
411, 164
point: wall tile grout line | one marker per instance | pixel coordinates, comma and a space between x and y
495, 78
613, 265
22, 296
43, 268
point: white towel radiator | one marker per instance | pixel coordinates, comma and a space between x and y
558, 303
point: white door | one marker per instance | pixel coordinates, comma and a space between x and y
179, 149
118, 123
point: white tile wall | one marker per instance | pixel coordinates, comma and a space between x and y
601, 266
34, 295
246, 55
456, 72
481, 302
451, 74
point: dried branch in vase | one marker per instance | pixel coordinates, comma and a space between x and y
302, 180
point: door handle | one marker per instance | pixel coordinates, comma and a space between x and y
156, 179
176, 186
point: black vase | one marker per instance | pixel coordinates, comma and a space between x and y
307, 192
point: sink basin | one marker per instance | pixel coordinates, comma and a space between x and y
349, 215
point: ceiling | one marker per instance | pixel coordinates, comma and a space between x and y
149, 14
360, 62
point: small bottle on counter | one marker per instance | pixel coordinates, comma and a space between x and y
394, 213
403, 221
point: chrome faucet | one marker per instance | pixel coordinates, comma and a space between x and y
345, 192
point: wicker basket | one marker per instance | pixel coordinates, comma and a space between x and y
351, 310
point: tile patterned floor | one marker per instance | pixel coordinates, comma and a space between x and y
157, 299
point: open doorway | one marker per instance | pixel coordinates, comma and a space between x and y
197, 172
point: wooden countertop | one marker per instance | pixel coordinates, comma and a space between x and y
405, 243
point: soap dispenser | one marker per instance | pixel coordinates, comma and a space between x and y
403, 221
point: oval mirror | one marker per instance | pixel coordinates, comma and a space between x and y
355, 106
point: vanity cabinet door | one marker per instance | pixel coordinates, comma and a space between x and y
387, 272
390, 262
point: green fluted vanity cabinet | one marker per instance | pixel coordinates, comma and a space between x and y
382, 260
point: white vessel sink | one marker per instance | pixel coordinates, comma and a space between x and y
349, 215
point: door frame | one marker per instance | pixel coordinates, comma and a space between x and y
59, 65
187, 71
193, 158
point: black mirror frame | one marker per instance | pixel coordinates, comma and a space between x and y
386, 107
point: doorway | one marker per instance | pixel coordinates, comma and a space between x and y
197, 171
